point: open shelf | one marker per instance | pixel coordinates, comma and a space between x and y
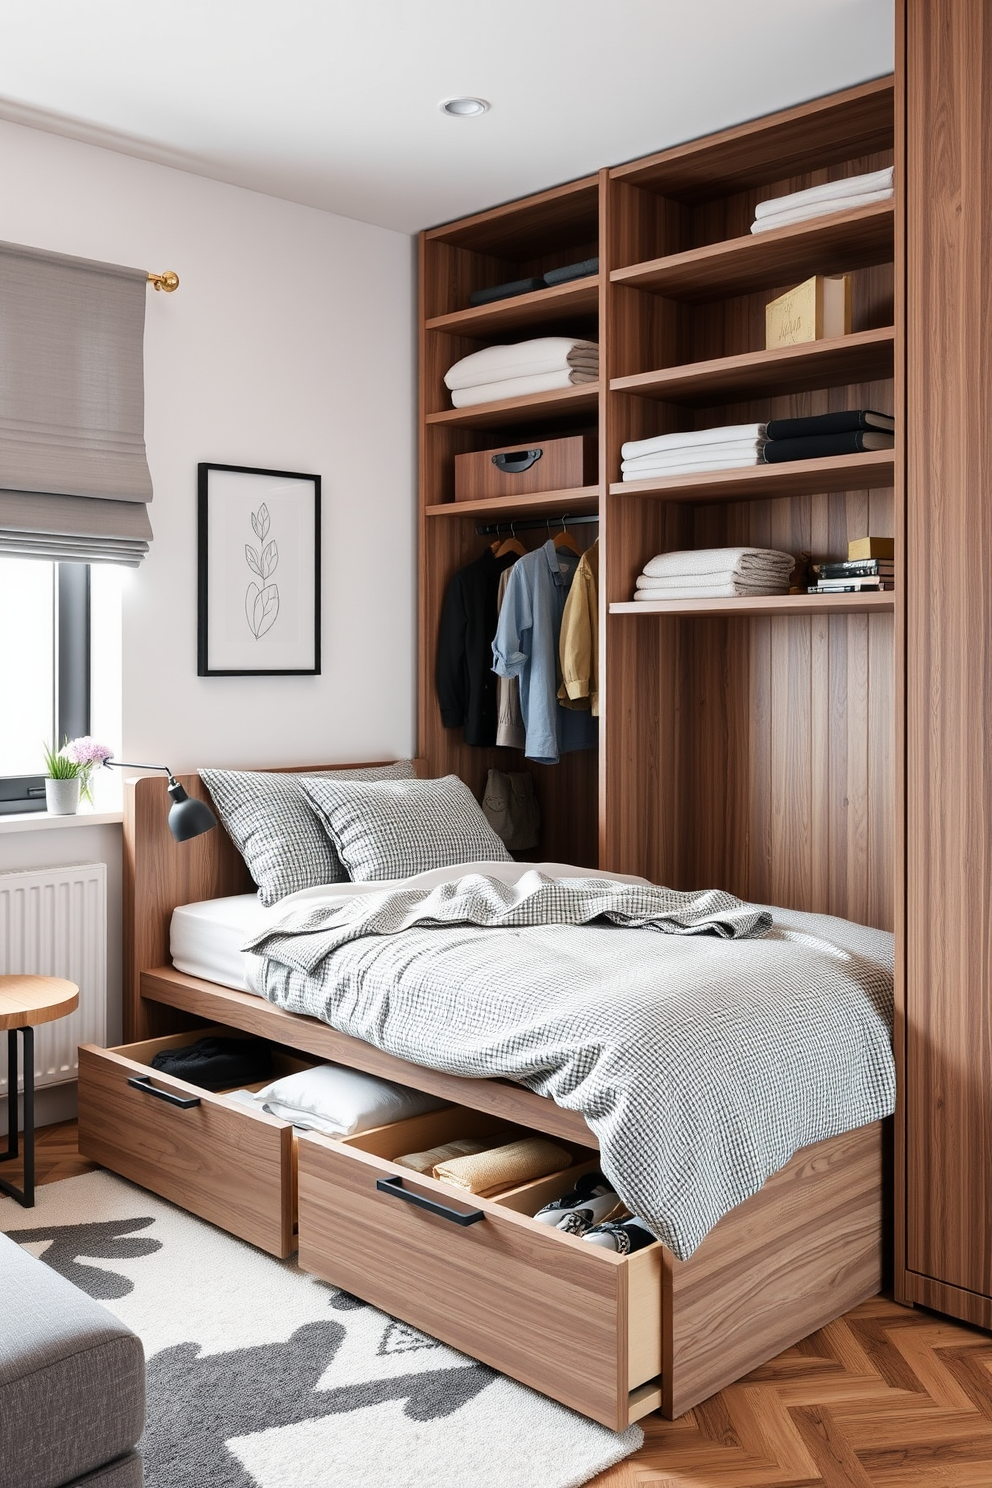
575, 501
874, 469
771, 604
560, 302
560, 403
842, 126
832, 244
861, 357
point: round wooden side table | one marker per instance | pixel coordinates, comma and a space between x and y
24, 1002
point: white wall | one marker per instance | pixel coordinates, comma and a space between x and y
290, 345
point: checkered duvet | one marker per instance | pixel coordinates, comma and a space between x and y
702, 1057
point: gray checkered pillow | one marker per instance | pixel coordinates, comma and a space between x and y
392, 829
276, 830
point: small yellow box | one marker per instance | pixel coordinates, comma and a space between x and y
819, 307
871, 547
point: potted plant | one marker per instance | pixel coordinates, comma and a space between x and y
61, 783
69, 772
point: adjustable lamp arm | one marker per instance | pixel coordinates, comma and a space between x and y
188, 816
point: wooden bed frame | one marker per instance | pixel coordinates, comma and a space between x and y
798, 1254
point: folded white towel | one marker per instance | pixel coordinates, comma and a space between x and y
880, 180
663, 472
819, 209
677, 583
724, 434
739, 561
727, 589
522, 359
519, 387
659, 459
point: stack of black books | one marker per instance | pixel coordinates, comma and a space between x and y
829, 434
855, 576
514, 287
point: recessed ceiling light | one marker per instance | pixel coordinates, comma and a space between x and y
463, 108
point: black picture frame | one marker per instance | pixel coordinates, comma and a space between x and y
253, 523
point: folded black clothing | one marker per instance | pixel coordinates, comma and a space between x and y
217, 1063
572, 271
820, 446
504, 291
847, 422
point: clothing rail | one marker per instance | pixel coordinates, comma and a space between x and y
493, 529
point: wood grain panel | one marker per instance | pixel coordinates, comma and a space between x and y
786, 369
948, 1079
509, 1291
831, 244
804, 1249
837, 127
222, 1161
577, 297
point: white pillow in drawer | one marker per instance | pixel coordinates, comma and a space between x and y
338, 1101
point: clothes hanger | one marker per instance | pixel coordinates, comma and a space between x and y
511, 544
564, 539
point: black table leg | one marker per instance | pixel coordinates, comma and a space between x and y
23, 1195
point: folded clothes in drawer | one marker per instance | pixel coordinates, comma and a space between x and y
499, 1168
338, 1101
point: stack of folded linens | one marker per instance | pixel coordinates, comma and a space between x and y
723, 448
338, 1101
835, 196
715, 573
500, 1168
525, 367
426, 1162
826, 434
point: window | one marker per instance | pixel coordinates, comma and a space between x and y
44, 670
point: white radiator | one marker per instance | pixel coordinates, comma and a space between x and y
53, 922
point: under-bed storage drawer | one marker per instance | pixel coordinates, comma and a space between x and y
215, 1157
569, 1319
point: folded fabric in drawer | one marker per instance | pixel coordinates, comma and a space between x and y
491, 1172
426, 1162
217, 1063
339, 1102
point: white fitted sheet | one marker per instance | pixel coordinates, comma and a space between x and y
206, 940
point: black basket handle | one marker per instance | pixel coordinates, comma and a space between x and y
144, 1082
512, 462
394, 1186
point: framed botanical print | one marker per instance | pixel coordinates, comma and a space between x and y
258, 572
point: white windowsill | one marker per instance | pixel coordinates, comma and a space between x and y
41, 821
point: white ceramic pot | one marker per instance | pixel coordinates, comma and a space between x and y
62, 796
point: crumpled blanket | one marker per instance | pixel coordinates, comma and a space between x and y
309, 935
702, 1064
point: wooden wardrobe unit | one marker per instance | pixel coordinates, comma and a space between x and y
748, 744
944, 1124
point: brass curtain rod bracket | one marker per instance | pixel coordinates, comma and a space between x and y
167, 281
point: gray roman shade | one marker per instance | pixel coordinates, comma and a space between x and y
74, 481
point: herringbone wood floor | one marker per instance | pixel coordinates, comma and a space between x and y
883, 1398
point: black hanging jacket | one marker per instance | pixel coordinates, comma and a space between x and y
466, 683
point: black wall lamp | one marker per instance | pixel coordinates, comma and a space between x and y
188, 817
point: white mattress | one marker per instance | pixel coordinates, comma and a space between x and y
206, 940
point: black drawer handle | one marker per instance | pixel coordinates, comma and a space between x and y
516, 461
144, 1082
395, 1187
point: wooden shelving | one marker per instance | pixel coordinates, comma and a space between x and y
872, 470
790, 369
739, 266
578, 501
756, 607
561, 403
561, 302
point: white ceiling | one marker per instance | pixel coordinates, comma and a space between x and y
334, 103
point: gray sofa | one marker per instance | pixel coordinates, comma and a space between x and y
72, 1383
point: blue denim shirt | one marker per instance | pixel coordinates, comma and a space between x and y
526, 647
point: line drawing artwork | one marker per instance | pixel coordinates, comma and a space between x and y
261, 600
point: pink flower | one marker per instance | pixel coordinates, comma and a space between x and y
86, 751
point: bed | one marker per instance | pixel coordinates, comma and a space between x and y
795, 1255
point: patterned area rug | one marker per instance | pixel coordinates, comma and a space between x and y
260, 1376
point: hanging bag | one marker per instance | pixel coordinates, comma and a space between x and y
510, 806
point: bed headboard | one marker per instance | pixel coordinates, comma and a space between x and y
160, 873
